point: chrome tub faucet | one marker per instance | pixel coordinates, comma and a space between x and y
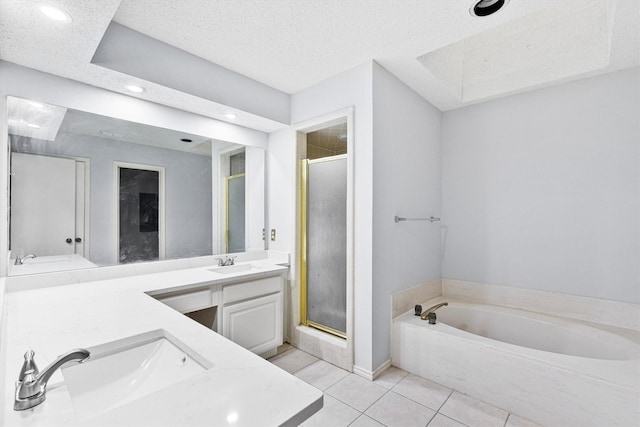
430, 313
19, 260
31, 387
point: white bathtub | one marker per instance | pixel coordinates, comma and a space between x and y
552, 370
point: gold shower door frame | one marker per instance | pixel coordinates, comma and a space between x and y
226, 208
304, 188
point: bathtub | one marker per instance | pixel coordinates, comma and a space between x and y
551, 370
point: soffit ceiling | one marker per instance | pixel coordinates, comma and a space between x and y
436, 47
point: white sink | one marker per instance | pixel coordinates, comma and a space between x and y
230, 269
122, 371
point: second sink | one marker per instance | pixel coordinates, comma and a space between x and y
229, 269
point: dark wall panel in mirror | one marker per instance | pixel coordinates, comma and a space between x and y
139, 214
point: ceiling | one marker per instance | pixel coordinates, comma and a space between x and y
437, 48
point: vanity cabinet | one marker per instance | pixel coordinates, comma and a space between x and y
247, 311
252, 314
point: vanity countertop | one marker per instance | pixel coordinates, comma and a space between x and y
241, 388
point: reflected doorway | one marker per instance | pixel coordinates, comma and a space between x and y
56, 186
140, 207
235, 196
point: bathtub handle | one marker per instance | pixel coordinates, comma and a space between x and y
432, 318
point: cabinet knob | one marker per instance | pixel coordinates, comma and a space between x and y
78, 240
69, 240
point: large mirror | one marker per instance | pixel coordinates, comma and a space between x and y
89, 191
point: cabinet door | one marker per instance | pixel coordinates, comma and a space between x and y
255, 324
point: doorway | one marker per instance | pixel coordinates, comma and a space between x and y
323, 230
140, 207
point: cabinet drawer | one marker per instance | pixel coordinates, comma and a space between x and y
252, 289
191, 301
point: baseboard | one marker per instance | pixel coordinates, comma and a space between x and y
371, 375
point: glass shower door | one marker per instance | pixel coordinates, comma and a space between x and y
326, 244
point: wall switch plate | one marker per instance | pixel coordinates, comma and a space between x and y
273, 234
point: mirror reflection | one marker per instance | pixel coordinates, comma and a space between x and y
89, 191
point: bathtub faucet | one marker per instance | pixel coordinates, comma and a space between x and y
19, 260
430, 313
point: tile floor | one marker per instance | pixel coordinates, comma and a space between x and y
396, 398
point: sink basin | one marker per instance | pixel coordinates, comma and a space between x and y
230, 269
122, 371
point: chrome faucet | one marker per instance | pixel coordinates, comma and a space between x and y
430, 313
20, 260
31, 386
227, 261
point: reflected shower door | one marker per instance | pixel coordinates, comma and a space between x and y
326, 244
235, 213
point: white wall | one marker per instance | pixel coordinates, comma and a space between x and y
397, 135
406, 182
351, 88
542, 190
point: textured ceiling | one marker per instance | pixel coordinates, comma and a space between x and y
292, 44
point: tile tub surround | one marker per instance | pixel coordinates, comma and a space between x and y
607, 312
395, 398
93, 313
406, 299
550, 388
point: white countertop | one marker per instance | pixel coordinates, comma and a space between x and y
54, 320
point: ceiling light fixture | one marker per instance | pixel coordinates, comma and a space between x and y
33, 125
134, 88
487, 7
54, 13
231, 116
36, 104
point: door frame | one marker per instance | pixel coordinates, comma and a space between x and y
161, 204
302, 129
87, 204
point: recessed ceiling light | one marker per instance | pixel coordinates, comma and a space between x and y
134, 88
487, 7
231, 116
33, 125
54, 13
36, 104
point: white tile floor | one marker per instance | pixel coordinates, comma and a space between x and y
396, 398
